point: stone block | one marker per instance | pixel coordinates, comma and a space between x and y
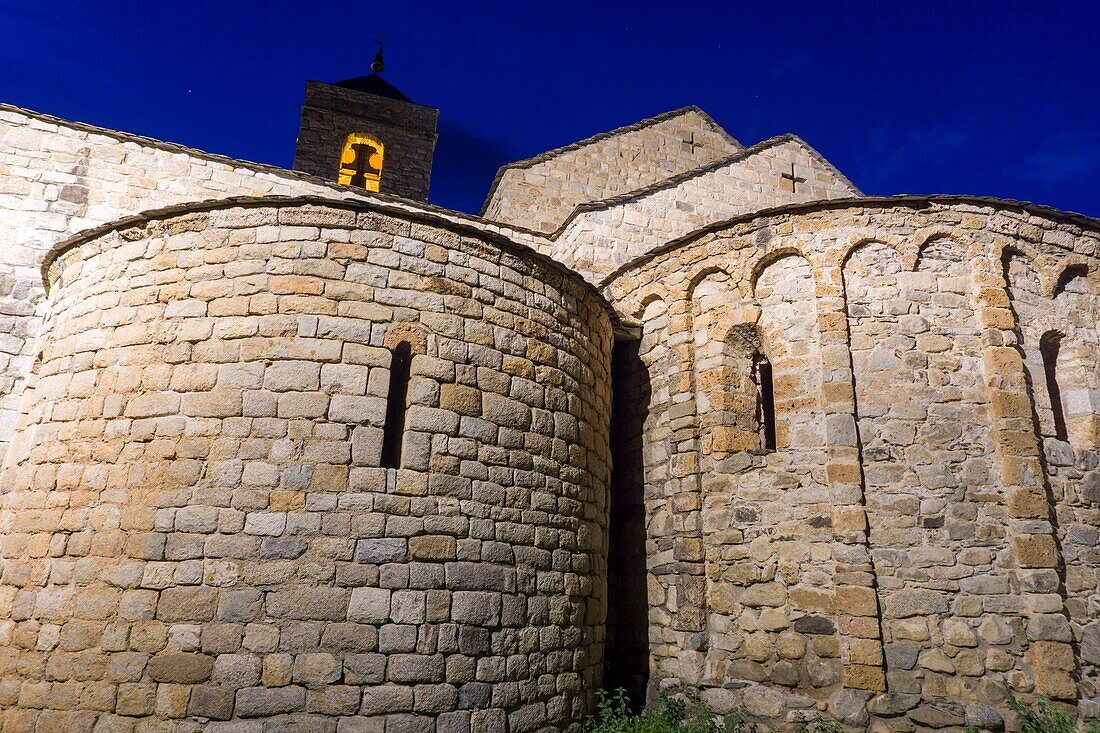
132, 699
188, 603
984, 717
333, 700
857, 600
212, 701
180, 667
1055, 684
850, 707
939, 715
261, 702
762, 702
239, 605
359, 724
892, 704
461, 399
915, 602
437, 548
369, 605
958, 632
310, 604
316, 670
1050, 655
1035, 551
814, 625
477, 608
282, 548
1049, 627
271, 524
864, 677
505, 411
421, 668
764, 594
382, 550
475, 576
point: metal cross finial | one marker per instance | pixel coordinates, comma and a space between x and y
795, 180
378, 66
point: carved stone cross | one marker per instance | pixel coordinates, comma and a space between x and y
690, 144
795, 180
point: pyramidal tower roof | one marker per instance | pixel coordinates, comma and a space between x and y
373, 84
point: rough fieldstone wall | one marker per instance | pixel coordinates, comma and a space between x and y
407, 131
196, 530
895, 567
764, 521
606, 234
539, 193
936, 510
1064, 301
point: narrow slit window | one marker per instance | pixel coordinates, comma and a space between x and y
767, 402
1049, 347
396, 404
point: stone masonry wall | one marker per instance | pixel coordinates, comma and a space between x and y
196, 530
59, 178
606, 234
897, 565
541, 192
936, 510
1052, 294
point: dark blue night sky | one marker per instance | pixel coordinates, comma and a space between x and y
994, 99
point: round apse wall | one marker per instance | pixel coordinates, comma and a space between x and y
198, 520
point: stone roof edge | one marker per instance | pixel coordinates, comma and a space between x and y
131, 137
421, 217
916, 200
286, 173
676, 180
355, 91
598, 137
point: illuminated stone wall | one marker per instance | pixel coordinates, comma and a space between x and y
541, 192
58, 178
603, 235
196, 531
896, 560
195, 527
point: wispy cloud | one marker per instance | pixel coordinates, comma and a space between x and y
1059, 158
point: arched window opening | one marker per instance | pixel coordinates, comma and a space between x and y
1075, 278
396, 405
361, 162
762, 375
1049, 346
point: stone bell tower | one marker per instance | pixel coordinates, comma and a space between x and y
364, 132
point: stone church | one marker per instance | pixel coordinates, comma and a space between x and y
294, 450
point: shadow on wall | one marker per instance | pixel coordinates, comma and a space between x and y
464, 166
626, 652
